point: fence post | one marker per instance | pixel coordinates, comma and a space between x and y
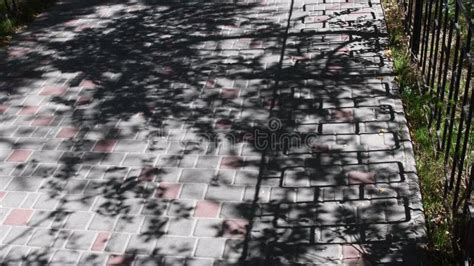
416, 34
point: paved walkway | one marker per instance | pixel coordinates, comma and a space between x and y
150, 131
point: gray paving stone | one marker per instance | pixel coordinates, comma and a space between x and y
95, 172
43, 238
188, 161
133, 206
37, 255
46, 156
208, 162
102, 222
322, 254
197, 176
137, 159
283, 195
16, 255
128, 145
81, 240
181, 208
78, 220
45, 201
193, 191
248, 178
5, 180
192, 261
30, 201
112, 159
77, 202
262, 197
3, 253
154, 226
117, 243
170, 260
13, 199
235, 210
233, 250
153, 260
25, 184
179, 226
156, 207
168, 174
224, 193
17, 236
178, 246
4, 231
140, 244
62, 257
208, 227
128, 224
210, 247
92, 259
169, 160
225, 176
62, 238
41, 218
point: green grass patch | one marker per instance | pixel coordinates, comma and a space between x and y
430, 166
26, 11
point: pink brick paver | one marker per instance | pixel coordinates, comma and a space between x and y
106, 145
53, 91
205, 208
230, 93
3, 108
19, 156
357, 177
88, 84
168, 190
115, 260
18, 217
42, 121
148, 174
67, 132
223, 124
83, 100
231, 162
352, 254
28, 110
100, 241
235, 228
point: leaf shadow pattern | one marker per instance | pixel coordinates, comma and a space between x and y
124, 105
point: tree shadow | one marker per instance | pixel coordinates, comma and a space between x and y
124, 105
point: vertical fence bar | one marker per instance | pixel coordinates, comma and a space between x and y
450, 116
415, 37
426, 37
446, 49
408, 16
454, 28
466, 116
443, 72
436, 68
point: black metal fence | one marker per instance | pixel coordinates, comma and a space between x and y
10, 8
441, 44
